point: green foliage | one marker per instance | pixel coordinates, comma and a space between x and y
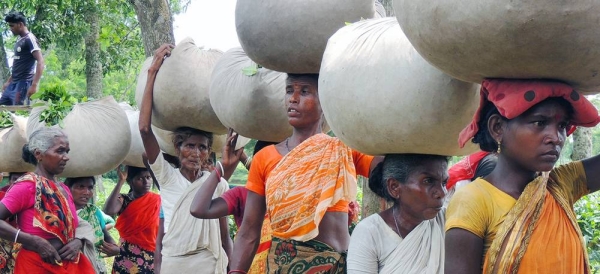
587, 210
5, 119
58, 103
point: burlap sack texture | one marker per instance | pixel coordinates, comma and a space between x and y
380, 96
249, 99
290, 35
12, 140
472, 40
181, 89
99, 136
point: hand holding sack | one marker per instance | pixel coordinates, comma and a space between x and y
99, 136
12, 140
472, 40
181, 89
248, 98
380, 96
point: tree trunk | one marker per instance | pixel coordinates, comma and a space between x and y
582, 144
371, 203
93, 65
4, 70
156, 23
389, 9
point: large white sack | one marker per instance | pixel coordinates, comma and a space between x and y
12, 140
181, 89
136, 150
98, 133
291, 35
379, 96
253, 105
475, 39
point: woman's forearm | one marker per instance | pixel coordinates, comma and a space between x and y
113, 205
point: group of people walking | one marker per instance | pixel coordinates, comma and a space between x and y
293, 214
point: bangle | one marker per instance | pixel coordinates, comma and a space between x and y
218, 174
219, 165
237, 271
247, 162
17, 235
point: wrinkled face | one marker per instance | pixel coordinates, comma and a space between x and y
141, 183
56, 157
82, 191
535, 139
193, 152
422, 195
302, 101
16, 28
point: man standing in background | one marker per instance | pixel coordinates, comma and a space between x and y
26, 74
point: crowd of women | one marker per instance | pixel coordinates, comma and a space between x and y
515, 217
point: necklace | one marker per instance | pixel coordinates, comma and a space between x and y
286, 144
395, 221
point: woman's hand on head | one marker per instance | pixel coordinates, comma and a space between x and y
230, 157
122, 173
160, 54
70, 251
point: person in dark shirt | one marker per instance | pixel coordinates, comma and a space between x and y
26, 74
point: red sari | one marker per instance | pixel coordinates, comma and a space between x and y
52, 215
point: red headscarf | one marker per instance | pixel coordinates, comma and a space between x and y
514, 97
465, 168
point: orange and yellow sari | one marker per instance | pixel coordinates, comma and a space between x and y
540, 233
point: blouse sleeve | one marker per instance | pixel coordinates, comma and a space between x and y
362, 163
19, 197
362, 255
467, 211
256, 175
571, 179
162, 170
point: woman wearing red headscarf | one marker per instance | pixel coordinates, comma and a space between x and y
520, 218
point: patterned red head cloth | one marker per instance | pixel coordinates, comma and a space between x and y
465, 168
514, 97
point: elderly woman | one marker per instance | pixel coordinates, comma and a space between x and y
45, 211
189, 245
520, 217
409, 236
137, 223
305, 184
82, 189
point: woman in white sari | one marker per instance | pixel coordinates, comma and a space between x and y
409, 236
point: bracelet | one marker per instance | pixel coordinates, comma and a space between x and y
237, 271
248, 162
222, 170
218, 174
17, 235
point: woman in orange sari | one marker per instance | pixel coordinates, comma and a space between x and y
305, 184
137, 223
46, 214
520, 217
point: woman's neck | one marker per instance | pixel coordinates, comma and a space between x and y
137, 195
190, 175
300, 135
510, 177
40, 171
406, 222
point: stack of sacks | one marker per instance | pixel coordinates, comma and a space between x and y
181, 89
12, 140
99, 136
380, 96
473, 40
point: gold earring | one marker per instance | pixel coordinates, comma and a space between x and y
499, 149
